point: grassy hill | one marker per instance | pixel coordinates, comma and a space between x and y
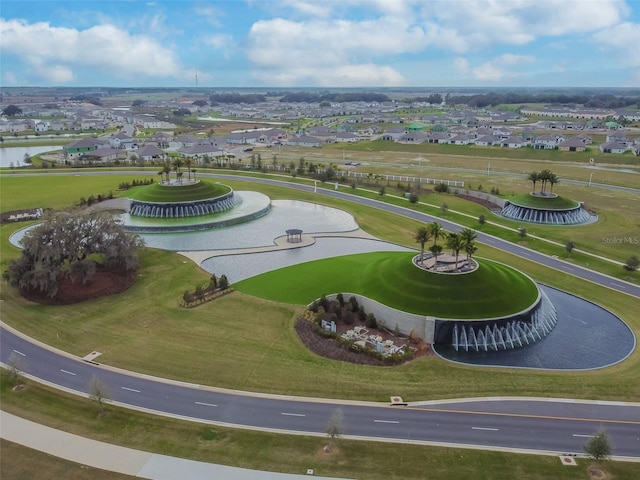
157, 193
547, 203
493, 290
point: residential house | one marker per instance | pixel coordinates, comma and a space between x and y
414, 137
200, 151
122, 141
512, 142
151, 153
348, 137
82, 147
393, 133
613, 147
572, 144
102, 155
461, 139
487, 141
438, 137
618, 138
305, 141
547, 142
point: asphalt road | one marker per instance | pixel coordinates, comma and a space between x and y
558, 426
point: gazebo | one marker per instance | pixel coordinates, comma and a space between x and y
294, 235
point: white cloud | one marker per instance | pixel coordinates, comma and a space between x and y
518, 22
623, 41
500, 67
461, 65
61, 51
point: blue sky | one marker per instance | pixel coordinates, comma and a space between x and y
321, 43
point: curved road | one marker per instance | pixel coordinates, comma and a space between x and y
556, 426
547, 425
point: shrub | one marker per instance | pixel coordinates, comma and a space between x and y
413, 198
482, 219
353, 301
371, 321
441, 188
340, 299
223, 282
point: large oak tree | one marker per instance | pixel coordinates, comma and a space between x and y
72, 245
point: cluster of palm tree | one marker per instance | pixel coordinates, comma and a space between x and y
176, 166
545, 177
461, 241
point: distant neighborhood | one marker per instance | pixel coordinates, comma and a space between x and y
124, 134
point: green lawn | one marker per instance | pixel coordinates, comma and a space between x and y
158, 193
548, 203
493, 290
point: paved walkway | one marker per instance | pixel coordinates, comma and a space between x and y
280, 243
124, 460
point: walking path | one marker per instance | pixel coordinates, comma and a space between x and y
280, 243
124, 460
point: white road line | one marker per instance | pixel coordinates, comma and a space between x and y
485, 428
385, 421
206, 404
130, 389
293, 414
582, 436
19, 353
614, 284
67, 372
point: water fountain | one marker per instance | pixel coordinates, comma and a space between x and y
506, 333
182, 211
571, 216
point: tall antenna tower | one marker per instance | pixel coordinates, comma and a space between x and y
196, 79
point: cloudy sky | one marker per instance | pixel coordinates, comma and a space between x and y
326, 43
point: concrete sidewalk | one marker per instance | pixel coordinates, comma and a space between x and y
124, 460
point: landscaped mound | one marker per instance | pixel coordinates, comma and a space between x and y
159, 193
542, 202
493, 290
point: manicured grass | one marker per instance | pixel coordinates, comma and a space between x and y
20, 462
493, 290
547, 203
158, 193
268, 451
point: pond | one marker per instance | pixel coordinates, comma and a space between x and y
15, 155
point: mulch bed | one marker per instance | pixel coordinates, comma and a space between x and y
102, 284
335, 350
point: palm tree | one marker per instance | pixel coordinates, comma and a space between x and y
468, 238
166, 169
534, 177
437, 231
545, 175
455, 243
177, 164
553, 179
421, 236
470, 249
436, 250
187, 163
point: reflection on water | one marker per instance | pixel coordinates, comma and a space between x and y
284, 214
